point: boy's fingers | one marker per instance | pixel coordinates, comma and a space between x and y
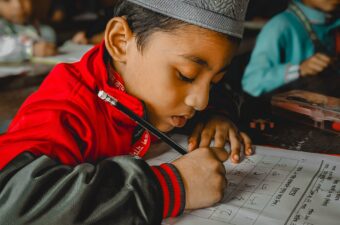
314, 62
248, 150
50, 51
221, 154
313, 72
235, 146
192, 143
193, 140
206, 137
220, 139
314, 69
320, 63
323, 57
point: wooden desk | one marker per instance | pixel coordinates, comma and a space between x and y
288, 134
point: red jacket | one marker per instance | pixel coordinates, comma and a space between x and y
66, 115
66, 121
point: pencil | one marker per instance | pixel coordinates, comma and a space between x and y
145, 124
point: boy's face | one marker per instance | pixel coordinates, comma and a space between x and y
323, 5
174, 72
16, 11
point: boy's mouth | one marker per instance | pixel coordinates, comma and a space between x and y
178, 121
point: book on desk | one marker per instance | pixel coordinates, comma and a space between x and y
69, 52
310, 108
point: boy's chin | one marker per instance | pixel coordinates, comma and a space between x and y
165, 128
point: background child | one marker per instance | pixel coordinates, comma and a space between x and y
67, 156
95, 32
285, 50
20, 35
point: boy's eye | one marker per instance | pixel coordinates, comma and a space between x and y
185, 78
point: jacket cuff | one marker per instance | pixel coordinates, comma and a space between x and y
172, 188
292, 73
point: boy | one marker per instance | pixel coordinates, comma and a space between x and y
65, 156
296, 43
20, 36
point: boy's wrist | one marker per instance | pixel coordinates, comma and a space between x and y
172, 189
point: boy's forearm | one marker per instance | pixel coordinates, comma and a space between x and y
38, 190
258, 80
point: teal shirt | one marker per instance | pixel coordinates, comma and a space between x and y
281, 46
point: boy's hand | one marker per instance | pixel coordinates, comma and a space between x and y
314, 65
221, 130
80, 38
203, 175
42, 49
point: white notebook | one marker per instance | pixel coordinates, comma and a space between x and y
272, 187
67, 53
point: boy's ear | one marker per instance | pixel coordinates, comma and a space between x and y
117, 35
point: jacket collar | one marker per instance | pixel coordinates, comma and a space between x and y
95, 73
314, 16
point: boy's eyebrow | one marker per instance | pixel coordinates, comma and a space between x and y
203, 62
197, 60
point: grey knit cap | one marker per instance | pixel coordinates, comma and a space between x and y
224, 16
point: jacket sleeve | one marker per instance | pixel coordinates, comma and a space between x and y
267, 69
39, 190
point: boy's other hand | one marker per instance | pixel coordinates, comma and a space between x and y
203, 175
42, 49
314, 65
80, 38
221, 130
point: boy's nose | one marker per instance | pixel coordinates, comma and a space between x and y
198, 97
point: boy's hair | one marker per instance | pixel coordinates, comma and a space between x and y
144, 22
